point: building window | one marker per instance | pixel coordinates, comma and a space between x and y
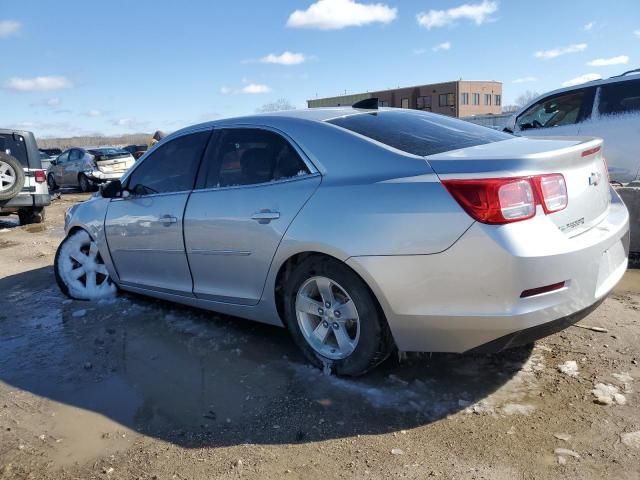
382, 103
476, 99
498, 100
405, 103
464, 99
487, 99
424, 103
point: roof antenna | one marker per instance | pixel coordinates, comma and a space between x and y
367, 103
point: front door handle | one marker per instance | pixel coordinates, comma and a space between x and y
265, 216
168, 220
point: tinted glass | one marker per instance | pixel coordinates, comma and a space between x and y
172, 167
563, 109
248, 156
75, 155
15, 147
622, 97
419, 133
63, 157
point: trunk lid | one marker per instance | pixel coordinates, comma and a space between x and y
113, 162
578, 159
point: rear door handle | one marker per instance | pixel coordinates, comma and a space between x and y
265, 216
168, 220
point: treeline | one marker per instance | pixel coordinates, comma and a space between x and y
94, 141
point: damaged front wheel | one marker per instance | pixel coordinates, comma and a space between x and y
80, 270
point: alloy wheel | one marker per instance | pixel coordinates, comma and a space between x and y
327, 317
7, 176
82, 268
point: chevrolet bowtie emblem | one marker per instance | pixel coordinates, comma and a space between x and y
594, 178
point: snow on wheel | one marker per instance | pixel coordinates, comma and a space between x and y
80, 270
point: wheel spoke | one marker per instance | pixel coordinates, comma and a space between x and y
324, 287
346, 311
93, 250
91, 279
321, 332
344, 342
308, 305
78, 257
76, 273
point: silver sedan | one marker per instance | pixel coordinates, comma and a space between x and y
360, 230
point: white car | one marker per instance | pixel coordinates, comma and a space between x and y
609, 109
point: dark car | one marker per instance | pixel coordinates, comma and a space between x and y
136, 150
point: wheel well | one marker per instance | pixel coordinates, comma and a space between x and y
291, 263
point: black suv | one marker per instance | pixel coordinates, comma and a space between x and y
23, 182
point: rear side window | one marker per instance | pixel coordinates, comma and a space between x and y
419, 133
171, 167
15, 146
564, 109
621, 97
248, 156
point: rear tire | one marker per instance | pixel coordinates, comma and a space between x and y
11, 176
85, 184
31, 215
370, 343
51, 182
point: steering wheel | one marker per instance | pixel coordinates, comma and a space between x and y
536, 124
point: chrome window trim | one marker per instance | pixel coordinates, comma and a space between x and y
262, 184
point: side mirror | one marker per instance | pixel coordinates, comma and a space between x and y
54, 162
507, 130
113, 189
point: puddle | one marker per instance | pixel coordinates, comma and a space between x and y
134, 366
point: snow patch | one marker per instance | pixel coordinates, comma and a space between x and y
570, 368
607, 394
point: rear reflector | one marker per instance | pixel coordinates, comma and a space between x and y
591, 151
40, 176
537, 291
504, 200
552, 190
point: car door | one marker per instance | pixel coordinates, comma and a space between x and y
616, 119
71, 168
256, 182
58, 168
144, 229
558, 114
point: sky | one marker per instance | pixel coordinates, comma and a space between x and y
74, 67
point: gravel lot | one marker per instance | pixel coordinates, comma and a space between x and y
136, 388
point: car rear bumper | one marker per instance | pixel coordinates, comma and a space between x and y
101, 177
25, 200
468, 298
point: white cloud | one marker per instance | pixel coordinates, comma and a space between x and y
478, 13
587, 77
419, 51
129, 123
556, 52
286, 58
9, 27
252, 88
605, 62
337, 14
637, 33
588, 26
442, 46
526, 80
37, 84
248, 88
94, 113
47, 102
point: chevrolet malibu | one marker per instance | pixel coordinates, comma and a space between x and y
361, 230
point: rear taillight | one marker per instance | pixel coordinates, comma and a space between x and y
40, 176
552, 191
506, 200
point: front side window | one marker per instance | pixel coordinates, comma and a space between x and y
171, 167
63, 158
619, 98
555, 111
248, 156
419, 133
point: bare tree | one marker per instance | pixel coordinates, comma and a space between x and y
526, 97
510, 108
278, 105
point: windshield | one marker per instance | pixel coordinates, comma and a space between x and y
419, 133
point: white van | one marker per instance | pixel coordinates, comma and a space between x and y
609, 109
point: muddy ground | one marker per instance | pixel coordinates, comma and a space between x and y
136, 388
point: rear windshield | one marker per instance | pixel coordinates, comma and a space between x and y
106, 153
15, 146
419, 133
